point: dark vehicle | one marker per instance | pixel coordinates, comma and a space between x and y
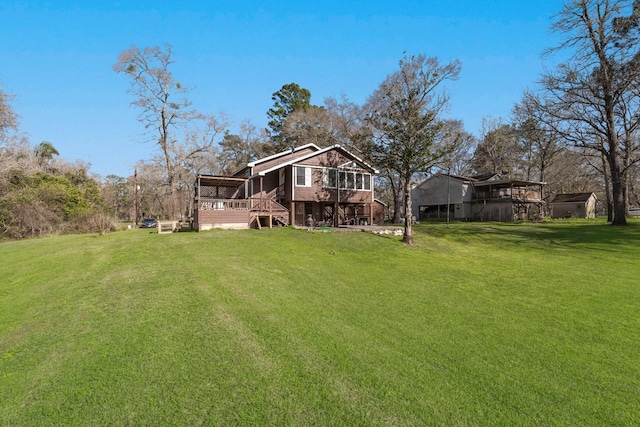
149, 223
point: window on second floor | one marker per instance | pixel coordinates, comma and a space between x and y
303, 176
329, 177
348, 180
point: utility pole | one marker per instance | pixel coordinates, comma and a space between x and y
448, 195
136, 205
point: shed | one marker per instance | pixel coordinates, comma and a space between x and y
574, 205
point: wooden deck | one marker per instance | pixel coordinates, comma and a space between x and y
240, 213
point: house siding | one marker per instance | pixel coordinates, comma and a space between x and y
330, 159
442, 190
574, 210
269, 185
208, 219
495, 211
575, 205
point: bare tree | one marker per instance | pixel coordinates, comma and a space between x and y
347, 120
540, 143
497, 151
236, 150
166, 113
460, 144
404, 115
314, 124
8, 117
594, 96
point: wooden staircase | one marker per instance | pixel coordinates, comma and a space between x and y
269, 210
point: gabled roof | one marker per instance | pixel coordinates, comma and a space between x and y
506, 182
284, 153
316, 153
447, 176
475, 178
290, 152
485, 177
572, 198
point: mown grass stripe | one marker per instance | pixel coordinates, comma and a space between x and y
478, 324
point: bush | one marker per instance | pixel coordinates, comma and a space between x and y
93, 222
39, 204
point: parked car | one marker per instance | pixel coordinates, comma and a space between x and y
149, 223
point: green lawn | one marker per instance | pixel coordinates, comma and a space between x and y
478, 324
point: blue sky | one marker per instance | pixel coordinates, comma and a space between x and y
57, 57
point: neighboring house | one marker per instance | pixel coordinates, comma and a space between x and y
328, 186
574, 205
479, 198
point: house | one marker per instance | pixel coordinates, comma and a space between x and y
480, 198
574, 205
327, 186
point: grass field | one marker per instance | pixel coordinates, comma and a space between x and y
478, 324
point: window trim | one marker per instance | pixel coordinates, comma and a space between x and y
307, 176
347, 180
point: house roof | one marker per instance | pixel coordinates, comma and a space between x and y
444, 175
572, 197
475, 178
315, 153
507, 182
284, 153
290, 152
485, 177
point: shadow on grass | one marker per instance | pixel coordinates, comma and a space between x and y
570, 232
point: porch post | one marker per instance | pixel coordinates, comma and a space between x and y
261, 205
247, 195
292, 214
336, 211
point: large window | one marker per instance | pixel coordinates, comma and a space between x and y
348, 180
329, 177
303, 176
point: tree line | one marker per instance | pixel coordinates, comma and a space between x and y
576, 130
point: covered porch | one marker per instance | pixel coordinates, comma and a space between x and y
331, 214
519, 190
222, 202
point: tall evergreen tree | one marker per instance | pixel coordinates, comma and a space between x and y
289, 99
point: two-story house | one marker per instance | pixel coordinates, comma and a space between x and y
308, 184
479, 198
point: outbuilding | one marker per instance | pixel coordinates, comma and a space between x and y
574, 205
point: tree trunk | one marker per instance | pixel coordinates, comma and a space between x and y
397, 199
607, 188
408, 232
617, 189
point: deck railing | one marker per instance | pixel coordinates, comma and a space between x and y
224, 205
253, 205
267, 205
507, 193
